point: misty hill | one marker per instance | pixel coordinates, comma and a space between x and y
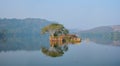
27, 25
102, 35
21, 28
102, 29
22, 33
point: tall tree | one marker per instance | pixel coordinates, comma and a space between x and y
55, 29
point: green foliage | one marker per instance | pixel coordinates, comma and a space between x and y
52, 51
55, 29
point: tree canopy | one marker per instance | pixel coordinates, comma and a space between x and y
55, 29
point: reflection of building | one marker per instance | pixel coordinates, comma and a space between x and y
59, 45
64, 39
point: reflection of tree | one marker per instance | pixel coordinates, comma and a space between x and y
3, 35
53, 51
56, 49
65, 48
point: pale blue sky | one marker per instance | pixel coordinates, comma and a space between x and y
80, 14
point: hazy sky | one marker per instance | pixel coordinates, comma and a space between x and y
80, 14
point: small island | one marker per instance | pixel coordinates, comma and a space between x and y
58, 33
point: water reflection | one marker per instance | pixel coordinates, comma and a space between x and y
26, 43
103, 41
57, 48
32, 43
105, 38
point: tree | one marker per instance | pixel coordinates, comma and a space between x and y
52, 51
56, 50
55, 29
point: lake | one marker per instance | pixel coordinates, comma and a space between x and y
29, 53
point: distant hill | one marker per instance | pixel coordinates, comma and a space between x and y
103, 29
103, 34
20, 27
27, 25
22, 33
116, 28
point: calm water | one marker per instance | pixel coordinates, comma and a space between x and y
82, 54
